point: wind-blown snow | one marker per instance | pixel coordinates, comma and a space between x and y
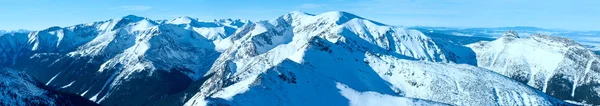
373, 98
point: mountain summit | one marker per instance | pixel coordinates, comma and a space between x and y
511, 33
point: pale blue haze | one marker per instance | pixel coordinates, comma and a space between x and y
563, 14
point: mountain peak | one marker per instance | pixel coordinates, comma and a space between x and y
511, 33
340, 14
133, 18
296, 14
185, 17
53, 28
182, 20
299, 13
229, 20
553, 39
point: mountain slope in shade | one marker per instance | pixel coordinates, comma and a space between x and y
17, 88
558, 66
105, 61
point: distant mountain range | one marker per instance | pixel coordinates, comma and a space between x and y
13, 31
333, 58
590, 39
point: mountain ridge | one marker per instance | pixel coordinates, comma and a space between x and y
554, 65
185, 61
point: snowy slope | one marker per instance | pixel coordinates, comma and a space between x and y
51, 40
17, 88
294, 59
326, 73
104, 60
270, 42
588, 38
555, 65
303, 59
215, 30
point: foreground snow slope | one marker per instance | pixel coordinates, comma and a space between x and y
558, 66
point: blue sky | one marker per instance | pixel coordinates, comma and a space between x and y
563, 14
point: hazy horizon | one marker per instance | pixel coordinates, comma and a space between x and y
559, 14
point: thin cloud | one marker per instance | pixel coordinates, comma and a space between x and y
135, 8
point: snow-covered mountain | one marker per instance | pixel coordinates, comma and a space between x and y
337, 56
558, 66
327, 73
215, 30
13, 31
19, 89
271, 42
547, 61
106, 60
590, 39
334, 58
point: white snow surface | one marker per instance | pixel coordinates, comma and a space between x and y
540, 60
373, 98
316, 79
304, 59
